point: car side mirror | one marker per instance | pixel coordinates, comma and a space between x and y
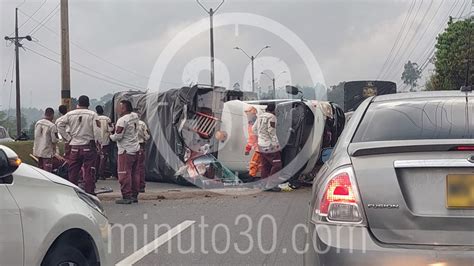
9, 162
326, 154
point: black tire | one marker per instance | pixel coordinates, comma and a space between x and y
62, 255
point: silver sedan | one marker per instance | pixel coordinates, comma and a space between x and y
398, 188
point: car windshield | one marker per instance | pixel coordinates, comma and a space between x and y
436, 118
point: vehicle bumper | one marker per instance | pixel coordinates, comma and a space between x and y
101, 239
343, 245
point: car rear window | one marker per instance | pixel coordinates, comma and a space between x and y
448, 118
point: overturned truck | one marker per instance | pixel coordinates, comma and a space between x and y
199, 134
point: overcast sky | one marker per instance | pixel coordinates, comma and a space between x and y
350, 40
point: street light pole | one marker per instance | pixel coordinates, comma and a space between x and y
253, 73
17, 42
273, 81
211, 38
252, 59
211, 13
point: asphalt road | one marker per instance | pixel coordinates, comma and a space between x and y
266, 228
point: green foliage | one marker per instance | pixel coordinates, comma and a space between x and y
411, 74
25, 148
30, 115
8, 121
454, 51
336, 94
104, 100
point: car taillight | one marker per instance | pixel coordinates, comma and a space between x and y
338, 200
464, 148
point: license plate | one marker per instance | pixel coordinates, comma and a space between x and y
460, 191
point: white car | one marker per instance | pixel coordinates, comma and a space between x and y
4, 137
46, 220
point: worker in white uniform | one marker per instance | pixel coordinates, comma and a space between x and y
128, 149
83, 125
143, 137
268, 144
103, 141
62, 111
46, 137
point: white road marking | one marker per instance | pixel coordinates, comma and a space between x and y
148, 248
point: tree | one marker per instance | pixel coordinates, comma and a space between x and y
336, 94
454, 56
9, 122
104, 100
411, 74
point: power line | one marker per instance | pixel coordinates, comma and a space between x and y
10, 97
8, 72
77, 70
443, 25
439, 29
45, 20
93, 70
431, 44
22, 3
396, 57
97, 56
410, 9
401, 57
432, 52
426, 30
91, 53
32, 15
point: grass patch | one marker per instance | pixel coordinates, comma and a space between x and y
25, 148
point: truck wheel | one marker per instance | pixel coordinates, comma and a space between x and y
65, 256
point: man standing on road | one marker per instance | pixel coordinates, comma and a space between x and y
44, 147
83, 125
143, 137
252, 142
126, 137
268, 145
103, 141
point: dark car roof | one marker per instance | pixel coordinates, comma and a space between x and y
421, 94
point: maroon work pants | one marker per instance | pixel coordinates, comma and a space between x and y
129, 179
84, 157
45, 164
270, 162
141, 166
102, 162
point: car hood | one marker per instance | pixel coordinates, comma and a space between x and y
41, 174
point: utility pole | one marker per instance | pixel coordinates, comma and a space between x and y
211, 13
252, 59
17, 42
65, 60
469, 46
